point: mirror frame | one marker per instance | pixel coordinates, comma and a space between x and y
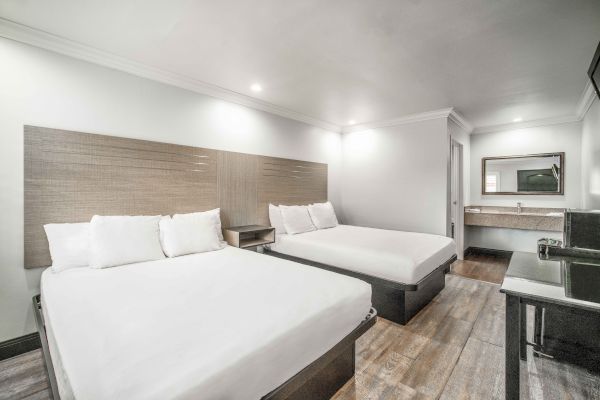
561, 192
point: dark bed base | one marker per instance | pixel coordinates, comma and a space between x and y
319, 380
398, 302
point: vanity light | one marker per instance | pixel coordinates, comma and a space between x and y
518, 119
256, 87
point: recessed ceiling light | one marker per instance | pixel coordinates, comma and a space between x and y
256, 87
518, 119
351, 122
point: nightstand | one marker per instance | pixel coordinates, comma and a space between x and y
249, 236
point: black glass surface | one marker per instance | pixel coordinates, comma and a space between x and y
529, 267
579, 276
581, 279
583, 229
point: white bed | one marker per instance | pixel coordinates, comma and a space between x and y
403, 257
227, 324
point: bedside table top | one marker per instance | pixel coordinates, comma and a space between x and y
249, 228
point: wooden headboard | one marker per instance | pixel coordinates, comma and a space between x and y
70, 176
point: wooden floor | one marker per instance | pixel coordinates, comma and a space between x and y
453, 349
482, 267
24, 377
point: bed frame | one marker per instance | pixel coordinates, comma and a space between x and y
319, 380
397, 302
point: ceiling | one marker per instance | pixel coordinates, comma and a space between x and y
341, 60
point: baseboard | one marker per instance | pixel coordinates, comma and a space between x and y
20, 345
487, 252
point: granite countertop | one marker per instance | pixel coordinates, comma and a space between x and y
530, 218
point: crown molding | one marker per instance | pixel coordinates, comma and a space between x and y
449, 113
407, 119
24, 34
35, 37
585, 102
527, 124
461, 121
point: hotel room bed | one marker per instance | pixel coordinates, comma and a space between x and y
405, 269
223, 324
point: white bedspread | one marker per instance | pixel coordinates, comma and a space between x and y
405, 257
229, 324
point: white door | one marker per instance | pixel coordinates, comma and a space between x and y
456, 196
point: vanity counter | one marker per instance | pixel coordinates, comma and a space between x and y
528, 218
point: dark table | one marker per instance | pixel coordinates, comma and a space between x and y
560, 283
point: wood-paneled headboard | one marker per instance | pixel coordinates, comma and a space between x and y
70, 176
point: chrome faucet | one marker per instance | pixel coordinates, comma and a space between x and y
519, 207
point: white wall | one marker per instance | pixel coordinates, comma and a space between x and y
42, 88
396, 177
590, 158
545, 139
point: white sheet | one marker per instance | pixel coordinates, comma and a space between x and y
228, 324
405, 257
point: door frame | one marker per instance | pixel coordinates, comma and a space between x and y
456, 182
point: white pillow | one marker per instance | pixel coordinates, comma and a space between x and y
296, 219
215, 214
323, 215
119, 240
276, 219
188, 234
69, 245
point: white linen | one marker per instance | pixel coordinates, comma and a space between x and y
119, 240
296, 219
229, 324
189, 234
214, 214
64, 387
405, 257
323, 215
276, 220
69, 245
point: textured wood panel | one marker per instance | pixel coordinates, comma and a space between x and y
70, 176
289, 182
237, 183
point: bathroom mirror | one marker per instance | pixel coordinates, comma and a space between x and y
528, 174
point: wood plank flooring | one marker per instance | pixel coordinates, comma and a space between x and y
24, 377
482, 267
453, 349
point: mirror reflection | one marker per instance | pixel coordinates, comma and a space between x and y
531, 174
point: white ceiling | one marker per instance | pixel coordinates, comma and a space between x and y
494, 60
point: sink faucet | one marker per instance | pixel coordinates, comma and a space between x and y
519, 207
